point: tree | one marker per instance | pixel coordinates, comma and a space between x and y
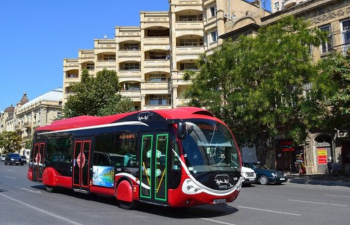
10, 142
97, 96
257, 84
335, 69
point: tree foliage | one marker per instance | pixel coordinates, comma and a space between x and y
10, 142
257, 84
335, 69
97, 96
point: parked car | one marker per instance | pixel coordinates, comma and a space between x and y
3, 156
13, 158
24, 159
265, 175
249, 176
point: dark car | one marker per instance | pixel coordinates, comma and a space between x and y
265, 175
24, 159
13, 158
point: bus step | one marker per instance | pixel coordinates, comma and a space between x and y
81, 191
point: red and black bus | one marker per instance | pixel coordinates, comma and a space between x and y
177, 157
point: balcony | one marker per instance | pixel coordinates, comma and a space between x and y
161, 65
155, 88
289, 3
110, 65
129, 55
127, 75
189, 27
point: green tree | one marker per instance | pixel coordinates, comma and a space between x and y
335, 70
10, 142
97, 96
257, 84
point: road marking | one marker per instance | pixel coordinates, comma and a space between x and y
37, 192
41, 210
10, 170
272, 211
216, 221
11, 177
341, 196
320, 203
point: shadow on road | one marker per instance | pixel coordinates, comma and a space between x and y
203, 211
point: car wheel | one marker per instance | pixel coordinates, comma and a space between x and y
263, 180
5, 163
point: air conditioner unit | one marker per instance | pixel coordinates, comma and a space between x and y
342, 133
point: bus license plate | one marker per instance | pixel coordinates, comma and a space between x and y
217, 201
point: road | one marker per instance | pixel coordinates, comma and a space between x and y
26, 202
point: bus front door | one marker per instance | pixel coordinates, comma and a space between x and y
38, 161
81, 165
154, 168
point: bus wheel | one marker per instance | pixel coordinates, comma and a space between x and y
124, 196
50, 189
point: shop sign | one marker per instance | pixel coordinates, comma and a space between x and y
322, 155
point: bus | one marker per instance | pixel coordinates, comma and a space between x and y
171, 157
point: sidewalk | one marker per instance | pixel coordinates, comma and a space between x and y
320, 179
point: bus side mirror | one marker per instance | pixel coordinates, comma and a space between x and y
181, 130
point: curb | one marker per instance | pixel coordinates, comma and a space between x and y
318, 182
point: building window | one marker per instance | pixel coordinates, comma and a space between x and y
131, 87
157, 78
188, 42
212, 11
72, 75
131, 66
307, 90
109, 58
90, 66
159, 100
277, 5
346, 35
328, 44
131, 46
188, 18
214, 36
188, 66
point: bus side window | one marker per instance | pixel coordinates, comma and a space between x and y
175, 162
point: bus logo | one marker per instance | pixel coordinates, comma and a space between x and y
81, 160
223, 181
144, 116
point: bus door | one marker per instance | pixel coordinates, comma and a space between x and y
81, 164
154, 168
38, 161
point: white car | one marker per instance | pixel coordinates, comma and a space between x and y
249, 176
3, 156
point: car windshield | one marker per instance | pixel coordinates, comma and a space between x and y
259, 166
14, 155
209, 146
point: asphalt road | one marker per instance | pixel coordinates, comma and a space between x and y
26, 202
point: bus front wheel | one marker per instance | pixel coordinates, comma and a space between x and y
124, 196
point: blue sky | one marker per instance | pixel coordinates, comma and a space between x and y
37, 35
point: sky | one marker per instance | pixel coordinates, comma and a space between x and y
36, 35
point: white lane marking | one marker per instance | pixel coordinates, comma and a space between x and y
37, 192
216, 221
11, 177
41, 210
10, 170
320, 203
271, 211
341, 196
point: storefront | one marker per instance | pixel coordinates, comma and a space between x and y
287, 154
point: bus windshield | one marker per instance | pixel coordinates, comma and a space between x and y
209, 146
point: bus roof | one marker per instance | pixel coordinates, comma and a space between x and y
86, 121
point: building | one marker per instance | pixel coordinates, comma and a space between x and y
321, 147
28, 115
151, 59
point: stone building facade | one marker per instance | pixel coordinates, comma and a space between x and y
28, 115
